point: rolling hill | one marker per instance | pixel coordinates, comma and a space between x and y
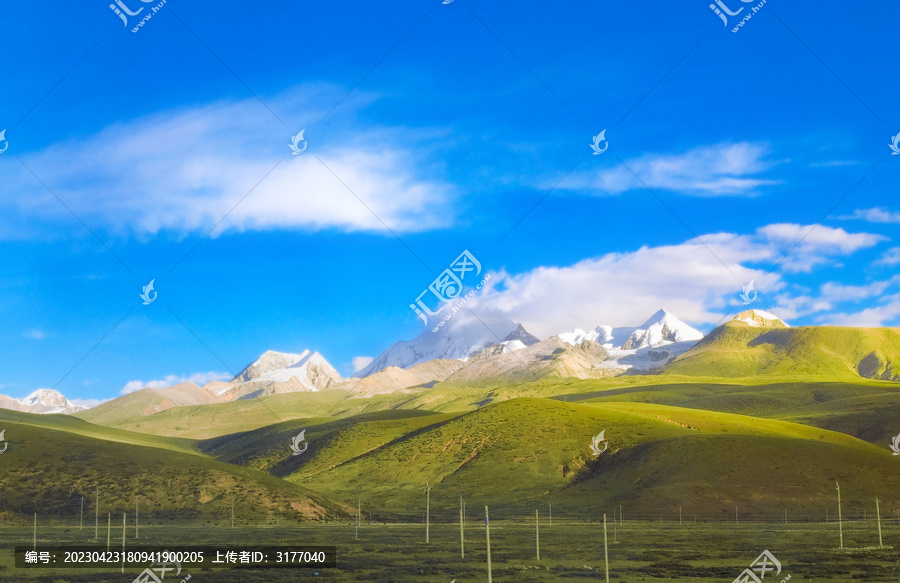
49, 466
527, 450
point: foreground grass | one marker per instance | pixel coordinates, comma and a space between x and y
570, 551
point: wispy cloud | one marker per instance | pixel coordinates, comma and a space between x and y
891, 257
35, 334
183, 171
887, 313
199, 378
807, 246
728, 169
874, 215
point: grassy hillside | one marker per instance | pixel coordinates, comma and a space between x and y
842, 353
77, 426
534, 449
48, 470
205, 421
147, 402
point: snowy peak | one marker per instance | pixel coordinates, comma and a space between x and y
661, 327
45, 401
280, 372
652, 344
460, 337
270, 361
758, 319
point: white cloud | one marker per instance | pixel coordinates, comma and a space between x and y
35, 334
184, 171
687, 279
874, 215
810, 245
831, 295
890, 257
886, 314
361, 362
718, 170
198, 378
624, 289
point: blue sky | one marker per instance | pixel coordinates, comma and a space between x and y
430, 129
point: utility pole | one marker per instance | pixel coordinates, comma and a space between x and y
108, 528
537, 536
462, 540
123, 541
487, 533
34, 544
736, 515
136, 535
427, 512
357, 518
840, 524
97, 516
232, 512
81, 522
550, 517
878, 516
605, 549
679, 516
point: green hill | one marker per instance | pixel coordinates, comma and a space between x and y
734, 350
47, 470
525, 450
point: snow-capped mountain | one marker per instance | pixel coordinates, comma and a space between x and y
280, 372
41, 401
462, 336
760, 319
645, 347
661, 327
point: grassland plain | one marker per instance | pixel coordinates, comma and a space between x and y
571, 549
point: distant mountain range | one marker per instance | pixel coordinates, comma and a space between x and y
471, 350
